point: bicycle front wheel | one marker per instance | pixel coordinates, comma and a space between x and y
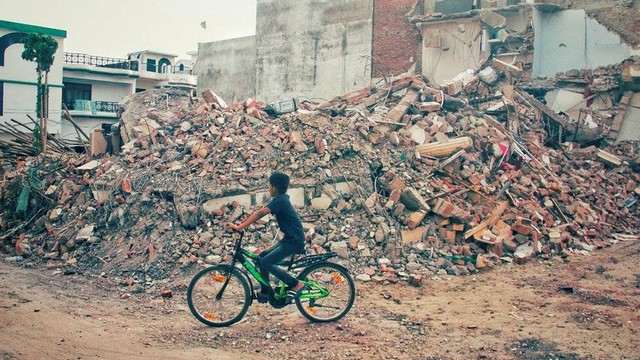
209, 305
337, 281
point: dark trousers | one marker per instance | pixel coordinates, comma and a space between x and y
273, 255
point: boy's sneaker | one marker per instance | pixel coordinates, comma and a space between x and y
294, 294
263, 295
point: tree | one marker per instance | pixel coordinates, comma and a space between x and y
41, 50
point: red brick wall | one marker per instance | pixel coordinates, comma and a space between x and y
395, 40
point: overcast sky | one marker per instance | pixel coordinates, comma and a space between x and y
114, 28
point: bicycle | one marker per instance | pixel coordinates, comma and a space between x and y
220, 295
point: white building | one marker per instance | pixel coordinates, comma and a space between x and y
89, 86
93, 85
18, 78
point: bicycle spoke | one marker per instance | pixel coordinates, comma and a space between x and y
336, 297
212, 307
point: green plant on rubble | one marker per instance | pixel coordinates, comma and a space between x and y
32, 199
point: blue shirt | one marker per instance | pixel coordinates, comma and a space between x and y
288, 221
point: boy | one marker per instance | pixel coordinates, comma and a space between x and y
293, 241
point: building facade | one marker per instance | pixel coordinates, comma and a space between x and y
88, 86
93, 85
18, 78
313, 49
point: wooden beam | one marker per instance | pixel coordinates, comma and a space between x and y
488, 222
436, 149
542, 108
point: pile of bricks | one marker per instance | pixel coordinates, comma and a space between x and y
404, 181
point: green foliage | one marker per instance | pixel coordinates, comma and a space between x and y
41, 50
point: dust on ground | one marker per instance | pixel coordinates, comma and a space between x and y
585, 308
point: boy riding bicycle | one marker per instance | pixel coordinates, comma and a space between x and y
293, 242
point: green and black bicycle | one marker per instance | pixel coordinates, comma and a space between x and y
220, 295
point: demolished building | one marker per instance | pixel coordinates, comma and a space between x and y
405, 179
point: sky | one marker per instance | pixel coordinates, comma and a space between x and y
114, 28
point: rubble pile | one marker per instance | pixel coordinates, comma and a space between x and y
403, 181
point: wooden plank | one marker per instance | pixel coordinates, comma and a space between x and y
542, 107
396, 114
475, 230
609, 158
436, 149
488, 222
98, 142
395, 85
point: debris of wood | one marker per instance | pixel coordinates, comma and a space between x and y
438, 149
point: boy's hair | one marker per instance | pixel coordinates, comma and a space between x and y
279, 181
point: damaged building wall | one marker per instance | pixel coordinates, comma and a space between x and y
452, 47
396, 41
567, 40
312, 48
228, 67
630, 129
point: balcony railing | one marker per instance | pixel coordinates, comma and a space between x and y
92, 106
181, 69
99, 61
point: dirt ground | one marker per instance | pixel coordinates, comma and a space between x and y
585, 308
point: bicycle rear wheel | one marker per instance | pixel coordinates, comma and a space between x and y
342, 292
204, 289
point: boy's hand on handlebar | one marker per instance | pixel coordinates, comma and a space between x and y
234, 227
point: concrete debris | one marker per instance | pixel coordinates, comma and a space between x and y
451, 180
493, 19
488, 75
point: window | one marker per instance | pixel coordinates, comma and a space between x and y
75, 91
164, 65
151, 65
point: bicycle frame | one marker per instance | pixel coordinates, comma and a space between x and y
245, 257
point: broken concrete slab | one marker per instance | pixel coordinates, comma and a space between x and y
213, 205
493, 19
630, 127
608, 158
91, 165
321, 203
413, 201
413, 236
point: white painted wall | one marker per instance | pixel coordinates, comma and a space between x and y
228, 68
569, 39
146, 84
87, 124
103, 91
20, 99
630, 130
103, 87
312, 48
455, 52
